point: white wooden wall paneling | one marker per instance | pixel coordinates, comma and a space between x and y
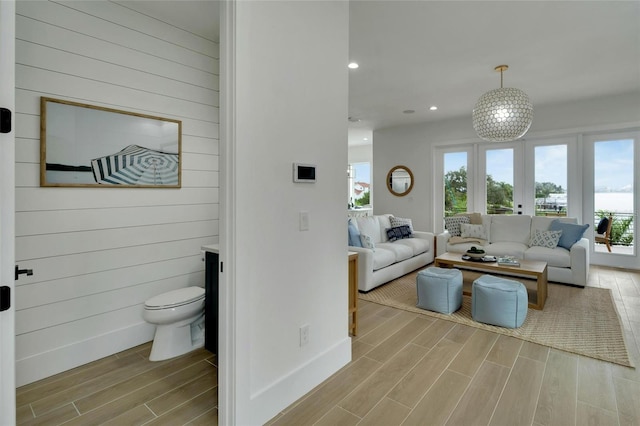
66, 334
52, 314
101, 29
82, 198
59, 221
48, 245
74, 265
33, 55
200, 145
197, 161
44, 34
84, 89
125, 17
52, 291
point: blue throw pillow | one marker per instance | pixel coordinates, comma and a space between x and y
354, 236
571, 232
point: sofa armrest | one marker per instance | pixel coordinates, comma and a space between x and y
579, 255
441, 242
423, 235
365, 266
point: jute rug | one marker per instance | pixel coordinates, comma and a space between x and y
582, 321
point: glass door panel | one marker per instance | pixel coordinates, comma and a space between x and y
550, 177
613, 194
455, 183
499, 174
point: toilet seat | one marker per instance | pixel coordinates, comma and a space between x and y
175, 298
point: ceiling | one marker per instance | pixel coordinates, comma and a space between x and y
415, 54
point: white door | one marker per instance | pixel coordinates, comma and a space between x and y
7, 208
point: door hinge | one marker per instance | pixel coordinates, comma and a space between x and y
5, 298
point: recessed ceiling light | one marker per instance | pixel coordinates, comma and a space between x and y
366, 139
354, 119
433, 108
353, 65
409, 111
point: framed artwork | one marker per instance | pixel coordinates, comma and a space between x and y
90, 146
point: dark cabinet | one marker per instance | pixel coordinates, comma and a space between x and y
211, 302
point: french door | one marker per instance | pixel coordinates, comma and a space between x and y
612, 163
507, 178
7, 208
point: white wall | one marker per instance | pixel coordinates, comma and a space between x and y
290, 105
99, 253
413, 146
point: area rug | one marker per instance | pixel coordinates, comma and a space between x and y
582, 321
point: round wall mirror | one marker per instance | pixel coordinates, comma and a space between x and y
400, 181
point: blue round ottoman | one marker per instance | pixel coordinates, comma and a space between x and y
499, 301
439, 289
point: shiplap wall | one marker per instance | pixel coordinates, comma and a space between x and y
99, 253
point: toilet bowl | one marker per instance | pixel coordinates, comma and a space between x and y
179, 319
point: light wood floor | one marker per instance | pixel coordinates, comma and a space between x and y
406, 369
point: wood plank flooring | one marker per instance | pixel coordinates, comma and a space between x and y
407, 369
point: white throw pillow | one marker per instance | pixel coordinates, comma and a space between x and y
473, 231
548, 239
367, 242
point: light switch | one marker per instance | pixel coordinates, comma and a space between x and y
304, 221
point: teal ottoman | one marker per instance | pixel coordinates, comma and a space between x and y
499, 301
439, 289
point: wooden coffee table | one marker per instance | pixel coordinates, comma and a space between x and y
528, 268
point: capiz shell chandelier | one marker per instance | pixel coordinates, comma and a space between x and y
503, 114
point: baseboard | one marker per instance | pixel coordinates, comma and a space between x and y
61, 359
268, 402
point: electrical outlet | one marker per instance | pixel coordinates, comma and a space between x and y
304, 335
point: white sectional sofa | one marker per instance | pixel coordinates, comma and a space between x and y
513, 234
386, 260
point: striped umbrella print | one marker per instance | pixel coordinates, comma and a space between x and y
136, 165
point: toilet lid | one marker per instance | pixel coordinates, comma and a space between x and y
177, 297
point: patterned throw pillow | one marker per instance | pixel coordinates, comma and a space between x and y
367, 242
399, 221
398, 233
452, 224
394, 234
473, 231
545, 238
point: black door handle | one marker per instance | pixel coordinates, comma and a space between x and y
28, 272
5, 298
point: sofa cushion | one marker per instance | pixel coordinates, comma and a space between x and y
547, 239
558, 257
452, 224
370, 225
383, 258
399, 221
571, 232
543, 223
401, 251
417, 245
385, 223
510, 228
506, 249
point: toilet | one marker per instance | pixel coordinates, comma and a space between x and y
179, 319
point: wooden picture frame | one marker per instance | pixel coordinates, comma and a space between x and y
85, 145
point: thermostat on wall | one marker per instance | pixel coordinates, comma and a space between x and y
304, 173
